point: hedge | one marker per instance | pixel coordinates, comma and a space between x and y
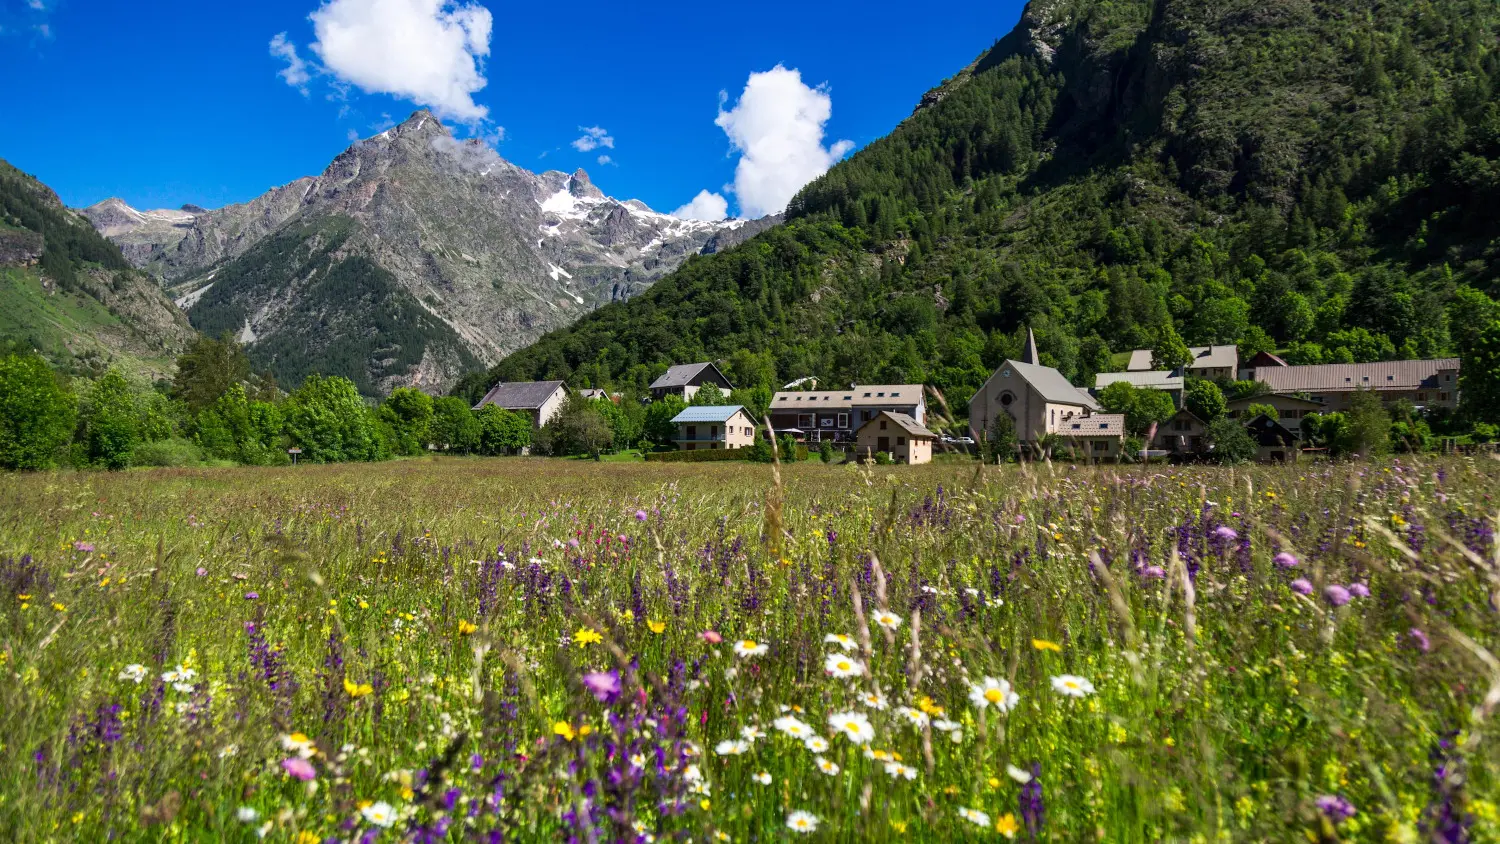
709, 455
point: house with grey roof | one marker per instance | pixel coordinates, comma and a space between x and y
540, 399
717, 427
684, 381
905, 439
1167, 382
1211, 362
816, 416
1424, 383
1042, 402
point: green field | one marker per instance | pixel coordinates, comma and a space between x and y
63, 326
444, 649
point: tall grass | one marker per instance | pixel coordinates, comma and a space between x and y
469, 650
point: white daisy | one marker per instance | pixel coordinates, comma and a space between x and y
887, 619
827, 767
817, 744
733, 747
915, 717
993, 691
763, 778
186, 688
974, 816
1020, 775
749, 647
854, 725
839, 639
299, 744
692, 774
1070, 685
792, 727
800, 821
380, 814
245, 814
178, 675
229, 750
637, 760
899, 771
701, 787
752, 733
843, 665
134, 673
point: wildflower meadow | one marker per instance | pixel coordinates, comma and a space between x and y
512, 650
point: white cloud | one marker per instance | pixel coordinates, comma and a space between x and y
593, 138
38, 5
604, 159
705, 206
295, 73
777, 127
427, 51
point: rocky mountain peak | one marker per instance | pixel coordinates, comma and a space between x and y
422, 123
580, 186
195, 210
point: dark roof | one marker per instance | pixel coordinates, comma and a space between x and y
1265, 398
1347, 377
519, 395
911, 426
1264, 359
1268, 432
682, 375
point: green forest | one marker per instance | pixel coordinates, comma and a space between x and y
1303, 176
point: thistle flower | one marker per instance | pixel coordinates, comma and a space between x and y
1285, 560
1302, 586
1358, 590
299, 768
1336, 595
1420, 639
1070, 685
1226, 533
1336, 807
603, 685
993, 691
800, 821
842, 666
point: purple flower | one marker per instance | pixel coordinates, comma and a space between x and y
1420, 639
251, 596
1302, 586
299, 768
640, 515
1225, 533
1336, 595
1359, 590
1285, 560
86, 547
202, 572
603, 685
1154, 571
1336, 807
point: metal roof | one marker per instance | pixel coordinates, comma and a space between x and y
1050, 383
1347, 377
709, 413
1097, 425
1157, 380
904, 422
520, 395
1204, 357
868, 395
681, 375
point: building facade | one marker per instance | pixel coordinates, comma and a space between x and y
685, 380
1042, 402
540, 399
896, 434
721, 427
1182, 435
1220, 363
835, 415
1423, 383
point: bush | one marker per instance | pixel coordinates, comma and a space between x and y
705, 456
883, 458
173, 452
825, 451
37, 413
1232, 443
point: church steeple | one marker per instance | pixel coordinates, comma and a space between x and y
1030, 355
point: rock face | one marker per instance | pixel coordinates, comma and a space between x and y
413, 257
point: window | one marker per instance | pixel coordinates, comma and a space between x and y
1101, 445
1104, 426
867, 395
895, 395
880, 395
715, 445
713, 432
1390, 377
749, 432
804, 420
1006, 398
848, 398
843, 420
901, 441
882, 424
1421, 397
1077, 426
1442, 396
692, 432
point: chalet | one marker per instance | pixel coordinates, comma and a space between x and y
1042, 402
1212, 362
1424, 383
835, 415
683, 381
1167, 382
1275, 444
540, 399
719, 427
1290, 409
599, 395
896, 434
1181, 435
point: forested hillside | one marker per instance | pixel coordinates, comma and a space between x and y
1303, 175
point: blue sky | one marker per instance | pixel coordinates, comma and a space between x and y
162, 102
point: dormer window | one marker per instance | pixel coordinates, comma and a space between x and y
1104, 426
1077, 426
1390, 377
848, 398
881, 395
867, 395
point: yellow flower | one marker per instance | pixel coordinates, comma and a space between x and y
305, 837
585, 730
564, 729
357, 689
407, 793
656, 626
705, 804
898, 826
1044, 645
465, 627
587, 636
628, 614
1058, 536
58, 607
1006, 825
926, 705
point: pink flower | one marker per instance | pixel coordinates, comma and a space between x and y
202, 572
1336, 595
299, 768
1359, 590
1423, 643
640, 515
1285, 560
251, 596
711, 637
1302, 586
1226, 533
1154, 571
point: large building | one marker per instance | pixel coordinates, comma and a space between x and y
835, 415
1424, 383
1211, 362
719, 427
1042, 402
539, 399
905, 439
685, 380
1167, 382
